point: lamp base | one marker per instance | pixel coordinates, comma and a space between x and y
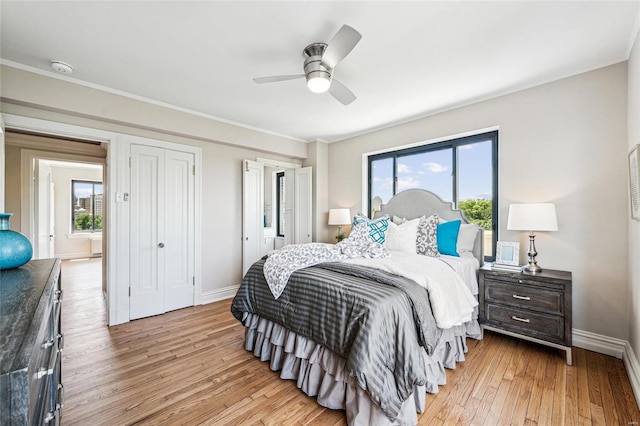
532, 268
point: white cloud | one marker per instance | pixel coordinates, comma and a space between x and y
435, 167
408, 182
403, 168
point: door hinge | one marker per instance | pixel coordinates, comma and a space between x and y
129, 291
194, 170
194, 281
129, 162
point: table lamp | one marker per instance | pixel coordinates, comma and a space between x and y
532, 217
339, 217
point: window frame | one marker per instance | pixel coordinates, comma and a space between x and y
93, 184
279, 228
452, 144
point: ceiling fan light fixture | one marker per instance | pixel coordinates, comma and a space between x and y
318, 81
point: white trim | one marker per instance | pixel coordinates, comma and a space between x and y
633, 370
598, 343
220, 294
277, 163
2, 164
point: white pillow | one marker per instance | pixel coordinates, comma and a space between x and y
402, 237
466, 237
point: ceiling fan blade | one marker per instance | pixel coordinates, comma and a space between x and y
341, 93
340, 45
277, 78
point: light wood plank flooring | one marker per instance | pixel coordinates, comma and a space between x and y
189, 367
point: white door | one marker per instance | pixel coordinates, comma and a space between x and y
252, 212
289, 200
44, 211
179, 233
162, 231
302, 215
298, 206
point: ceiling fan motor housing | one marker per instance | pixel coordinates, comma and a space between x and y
313, 66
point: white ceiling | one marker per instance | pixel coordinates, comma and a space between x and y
414, 59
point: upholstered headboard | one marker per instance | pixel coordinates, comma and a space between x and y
414, 203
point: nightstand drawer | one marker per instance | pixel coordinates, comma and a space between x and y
524, 296
539, 325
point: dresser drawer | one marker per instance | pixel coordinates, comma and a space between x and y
524, 296
534, 324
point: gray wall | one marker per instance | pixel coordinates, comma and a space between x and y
634, 226
564, 142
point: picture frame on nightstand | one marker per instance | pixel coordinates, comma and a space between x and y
508, 253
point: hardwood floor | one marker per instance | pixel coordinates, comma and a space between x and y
189, 367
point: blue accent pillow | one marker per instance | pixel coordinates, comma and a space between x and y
447, 235
377, 228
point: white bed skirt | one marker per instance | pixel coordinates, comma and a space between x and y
321, 373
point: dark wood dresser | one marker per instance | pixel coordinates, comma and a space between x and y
31, 391
534, 307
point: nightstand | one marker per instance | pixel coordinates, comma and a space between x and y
534, 307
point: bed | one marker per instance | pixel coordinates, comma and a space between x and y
359, 336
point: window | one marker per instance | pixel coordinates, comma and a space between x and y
280, 202
463, 171
86, 206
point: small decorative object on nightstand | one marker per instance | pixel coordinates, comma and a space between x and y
339, 217
534, 307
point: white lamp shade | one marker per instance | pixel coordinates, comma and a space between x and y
339, 217
532, 217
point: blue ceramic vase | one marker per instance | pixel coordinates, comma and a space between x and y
15, 248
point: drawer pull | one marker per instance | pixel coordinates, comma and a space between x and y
60, 338
44, 372
51, 415
515, 296
513, 317
60, 403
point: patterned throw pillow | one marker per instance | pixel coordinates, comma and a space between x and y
427, 237
377, 228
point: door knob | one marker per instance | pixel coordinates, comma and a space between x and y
161, 245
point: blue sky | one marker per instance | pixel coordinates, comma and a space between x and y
83, 190
432, 171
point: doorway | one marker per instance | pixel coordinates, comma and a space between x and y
42, 173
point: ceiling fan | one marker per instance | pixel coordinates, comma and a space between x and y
321, 59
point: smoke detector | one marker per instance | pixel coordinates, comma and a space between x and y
61, 67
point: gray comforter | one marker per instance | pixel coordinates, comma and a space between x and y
378, 322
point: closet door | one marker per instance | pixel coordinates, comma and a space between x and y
162, 231
252, 213
147, 215
303, 206
179, 232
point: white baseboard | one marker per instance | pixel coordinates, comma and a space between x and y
599, 343
219, 294
613, 347
633, 370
